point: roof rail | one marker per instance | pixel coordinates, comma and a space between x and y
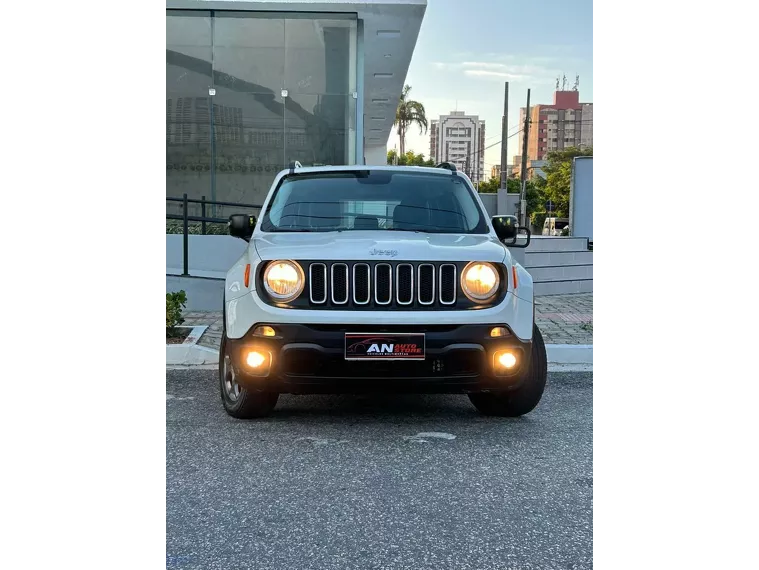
293, 165
447, 166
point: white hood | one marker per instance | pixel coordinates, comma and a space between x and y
378, 246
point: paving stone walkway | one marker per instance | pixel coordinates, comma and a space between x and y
563, 319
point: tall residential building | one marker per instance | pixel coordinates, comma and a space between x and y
586, 125
460, 139
495, 171
564, 124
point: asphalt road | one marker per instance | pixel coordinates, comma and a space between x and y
348, 482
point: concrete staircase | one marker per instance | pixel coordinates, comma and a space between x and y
560, 265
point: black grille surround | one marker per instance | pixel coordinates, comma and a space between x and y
383, 286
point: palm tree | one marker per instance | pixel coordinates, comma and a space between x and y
408, 113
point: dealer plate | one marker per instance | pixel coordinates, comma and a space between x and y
384, 346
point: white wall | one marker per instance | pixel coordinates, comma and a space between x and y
581, 198
209, 256
376, 155
202, 294
490, 201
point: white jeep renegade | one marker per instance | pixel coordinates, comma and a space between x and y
378, 278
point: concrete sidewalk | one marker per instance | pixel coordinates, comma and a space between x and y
563, 319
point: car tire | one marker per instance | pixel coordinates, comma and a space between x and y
240, 402
522, 400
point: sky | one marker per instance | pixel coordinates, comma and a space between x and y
467, 49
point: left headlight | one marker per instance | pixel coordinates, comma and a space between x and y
283, 280
480, 281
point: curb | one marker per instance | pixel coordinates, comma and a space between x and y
195, 355
561, 357
189, 353
570, 353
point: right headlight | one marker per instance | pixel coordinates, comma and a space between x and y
283, 280
480, 281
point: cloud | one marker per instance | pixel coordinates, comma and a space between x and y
485, 64
498, 74
526, 70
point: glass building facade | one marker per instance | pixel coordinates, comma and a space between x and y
249, 92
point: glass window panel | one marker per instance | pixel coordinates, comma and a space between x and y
249, 145
249, 52
320, 56
188, 125
319, 129
229, 145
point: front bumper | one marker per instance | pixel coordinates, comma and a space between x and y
310, 359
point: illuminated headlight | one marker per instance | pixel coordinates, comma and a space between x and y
283, 280
480, 281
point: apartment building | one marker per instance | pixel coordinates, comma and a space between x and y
460, 139
565, 123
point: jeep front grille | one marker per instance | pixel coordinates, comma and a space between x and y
403, 285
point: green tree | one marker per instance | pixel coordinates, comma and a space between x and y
409, 159
513, 185
558, 176
407, 113
535, 196
491, 186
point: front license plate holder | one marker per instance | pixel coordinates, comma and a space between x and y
385, 346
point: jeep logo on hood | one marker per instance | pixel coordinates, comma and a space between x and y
387, 252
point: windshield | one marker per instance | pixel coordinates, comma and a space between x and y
374, 200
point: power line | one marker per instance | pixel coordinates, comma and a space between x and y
512, 135
489, 146
535, 123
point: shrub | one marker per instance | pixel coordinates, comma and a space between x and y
175, 303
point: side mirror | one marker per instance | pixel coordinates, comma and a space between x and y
241, 226
506, 227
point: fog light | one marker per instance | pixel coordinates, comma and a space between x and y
507, 360
265, 331
499, 331
255, 359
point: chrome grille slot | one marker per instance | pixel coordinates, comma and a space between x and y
383, 284
339, 283
317, 283
362, 283
447, 284
404, 283
426, 284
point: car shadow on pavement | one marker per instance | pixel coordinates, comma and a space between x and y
396, 408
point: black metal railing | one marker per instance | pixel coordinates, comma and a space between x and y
215, 206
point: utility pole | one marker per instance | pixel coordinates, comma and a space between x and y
522, 199
504, 137
478, 173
